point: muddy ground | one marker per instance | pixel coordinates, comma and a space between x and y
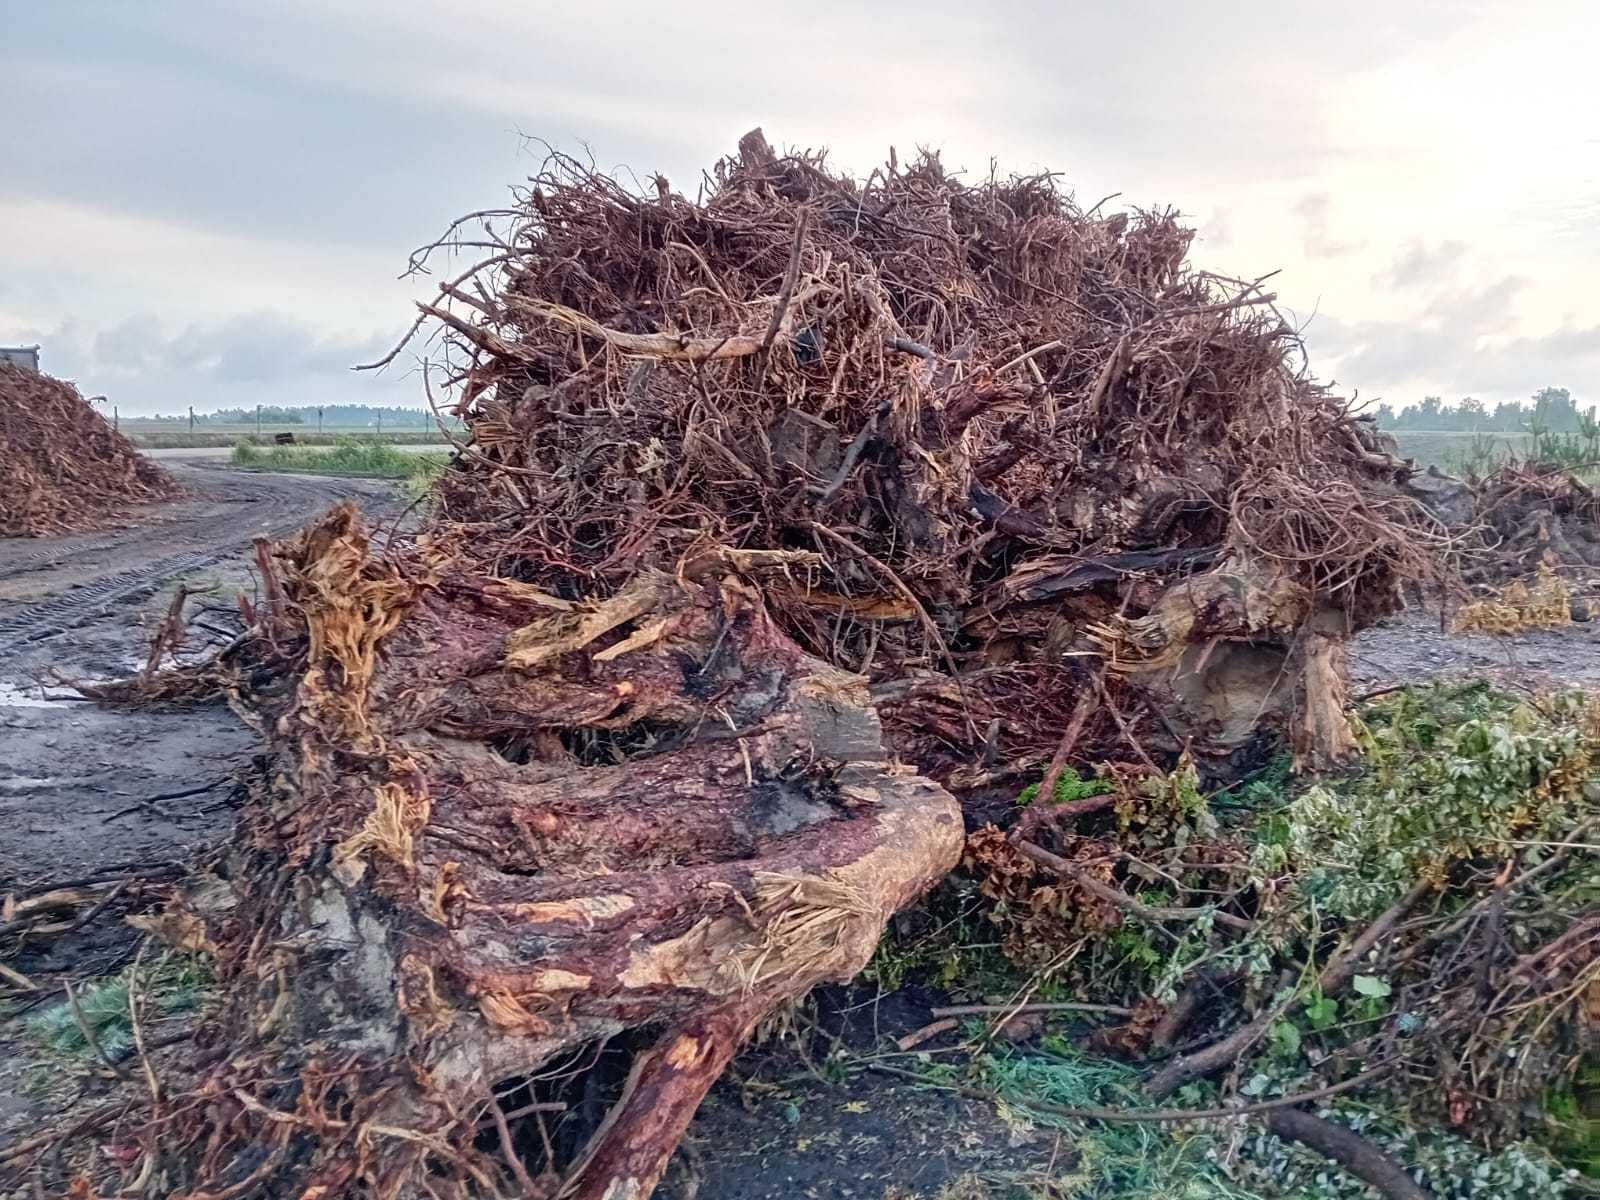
83, 607
94, 792
89, 792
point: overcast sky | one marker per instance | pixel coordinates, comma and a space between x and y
209, 203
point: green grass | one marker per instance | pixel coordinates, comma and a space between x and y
373, 460
1125, 1160
1112, 1160
174, 985
1456, 452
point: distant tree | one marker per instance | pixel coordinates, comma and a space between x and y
334, 416
1508, 417
1554, 409
1550, 410
271, 414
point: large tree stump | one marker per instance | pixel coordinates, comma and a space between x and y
499, 828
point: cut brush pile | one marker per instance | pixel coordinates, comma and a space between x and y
783, 514
61, 466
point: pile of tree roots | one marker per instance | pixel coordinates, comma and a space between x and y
61, 465
1531, 515
786, 517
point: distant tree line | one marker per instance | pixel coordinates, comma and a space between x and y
333, 415
270, 414
1551, 409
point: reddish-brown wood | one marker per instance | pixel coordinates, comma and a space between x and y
499, 828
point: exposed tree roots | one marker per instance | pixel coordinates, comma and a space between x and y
501, 829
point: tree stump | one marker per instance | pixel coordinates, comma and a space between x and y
499, 828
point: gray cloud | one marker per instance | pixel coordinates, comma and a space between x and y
386, 127
1455, 351
1422, 265
1315, 213
131, 345
265, 347
253, 356
1478, 311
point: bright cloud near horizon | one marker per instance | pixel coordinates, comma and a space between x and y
210, 203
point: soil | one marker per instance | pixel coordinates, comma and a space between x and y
781, 1123
1413, 648
82, 787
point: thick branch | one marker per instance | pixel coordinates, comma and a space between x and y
1112, 895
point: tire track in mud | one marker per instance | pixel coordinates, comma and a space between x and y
61, 613
229, 509
52, 557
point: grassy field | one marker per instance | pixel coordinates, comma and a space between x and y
1447, 451
367, 459
1456, 451
173, 435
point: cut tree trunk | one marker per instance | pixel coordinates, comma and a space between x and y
1229, 650
500, 829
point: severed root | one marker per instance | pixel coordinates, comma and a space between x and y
625, 1159
501, 828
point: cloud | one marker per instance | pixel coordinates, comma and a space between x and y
1482, 312
265, 347
252, 357
1314, 210
217, 200
64, 257
131, 345
1422, 265
1460, 347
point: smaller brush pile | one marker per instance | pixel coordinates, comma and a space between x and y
62, 467
1534, 515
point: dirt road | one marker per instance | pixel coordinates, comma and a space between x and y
78, 607
94, 792
52, 587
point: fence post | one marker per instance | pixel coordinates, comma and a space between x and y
191, 418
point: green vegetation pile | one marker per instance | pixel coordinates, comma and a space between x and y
1409, 950
62, 466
